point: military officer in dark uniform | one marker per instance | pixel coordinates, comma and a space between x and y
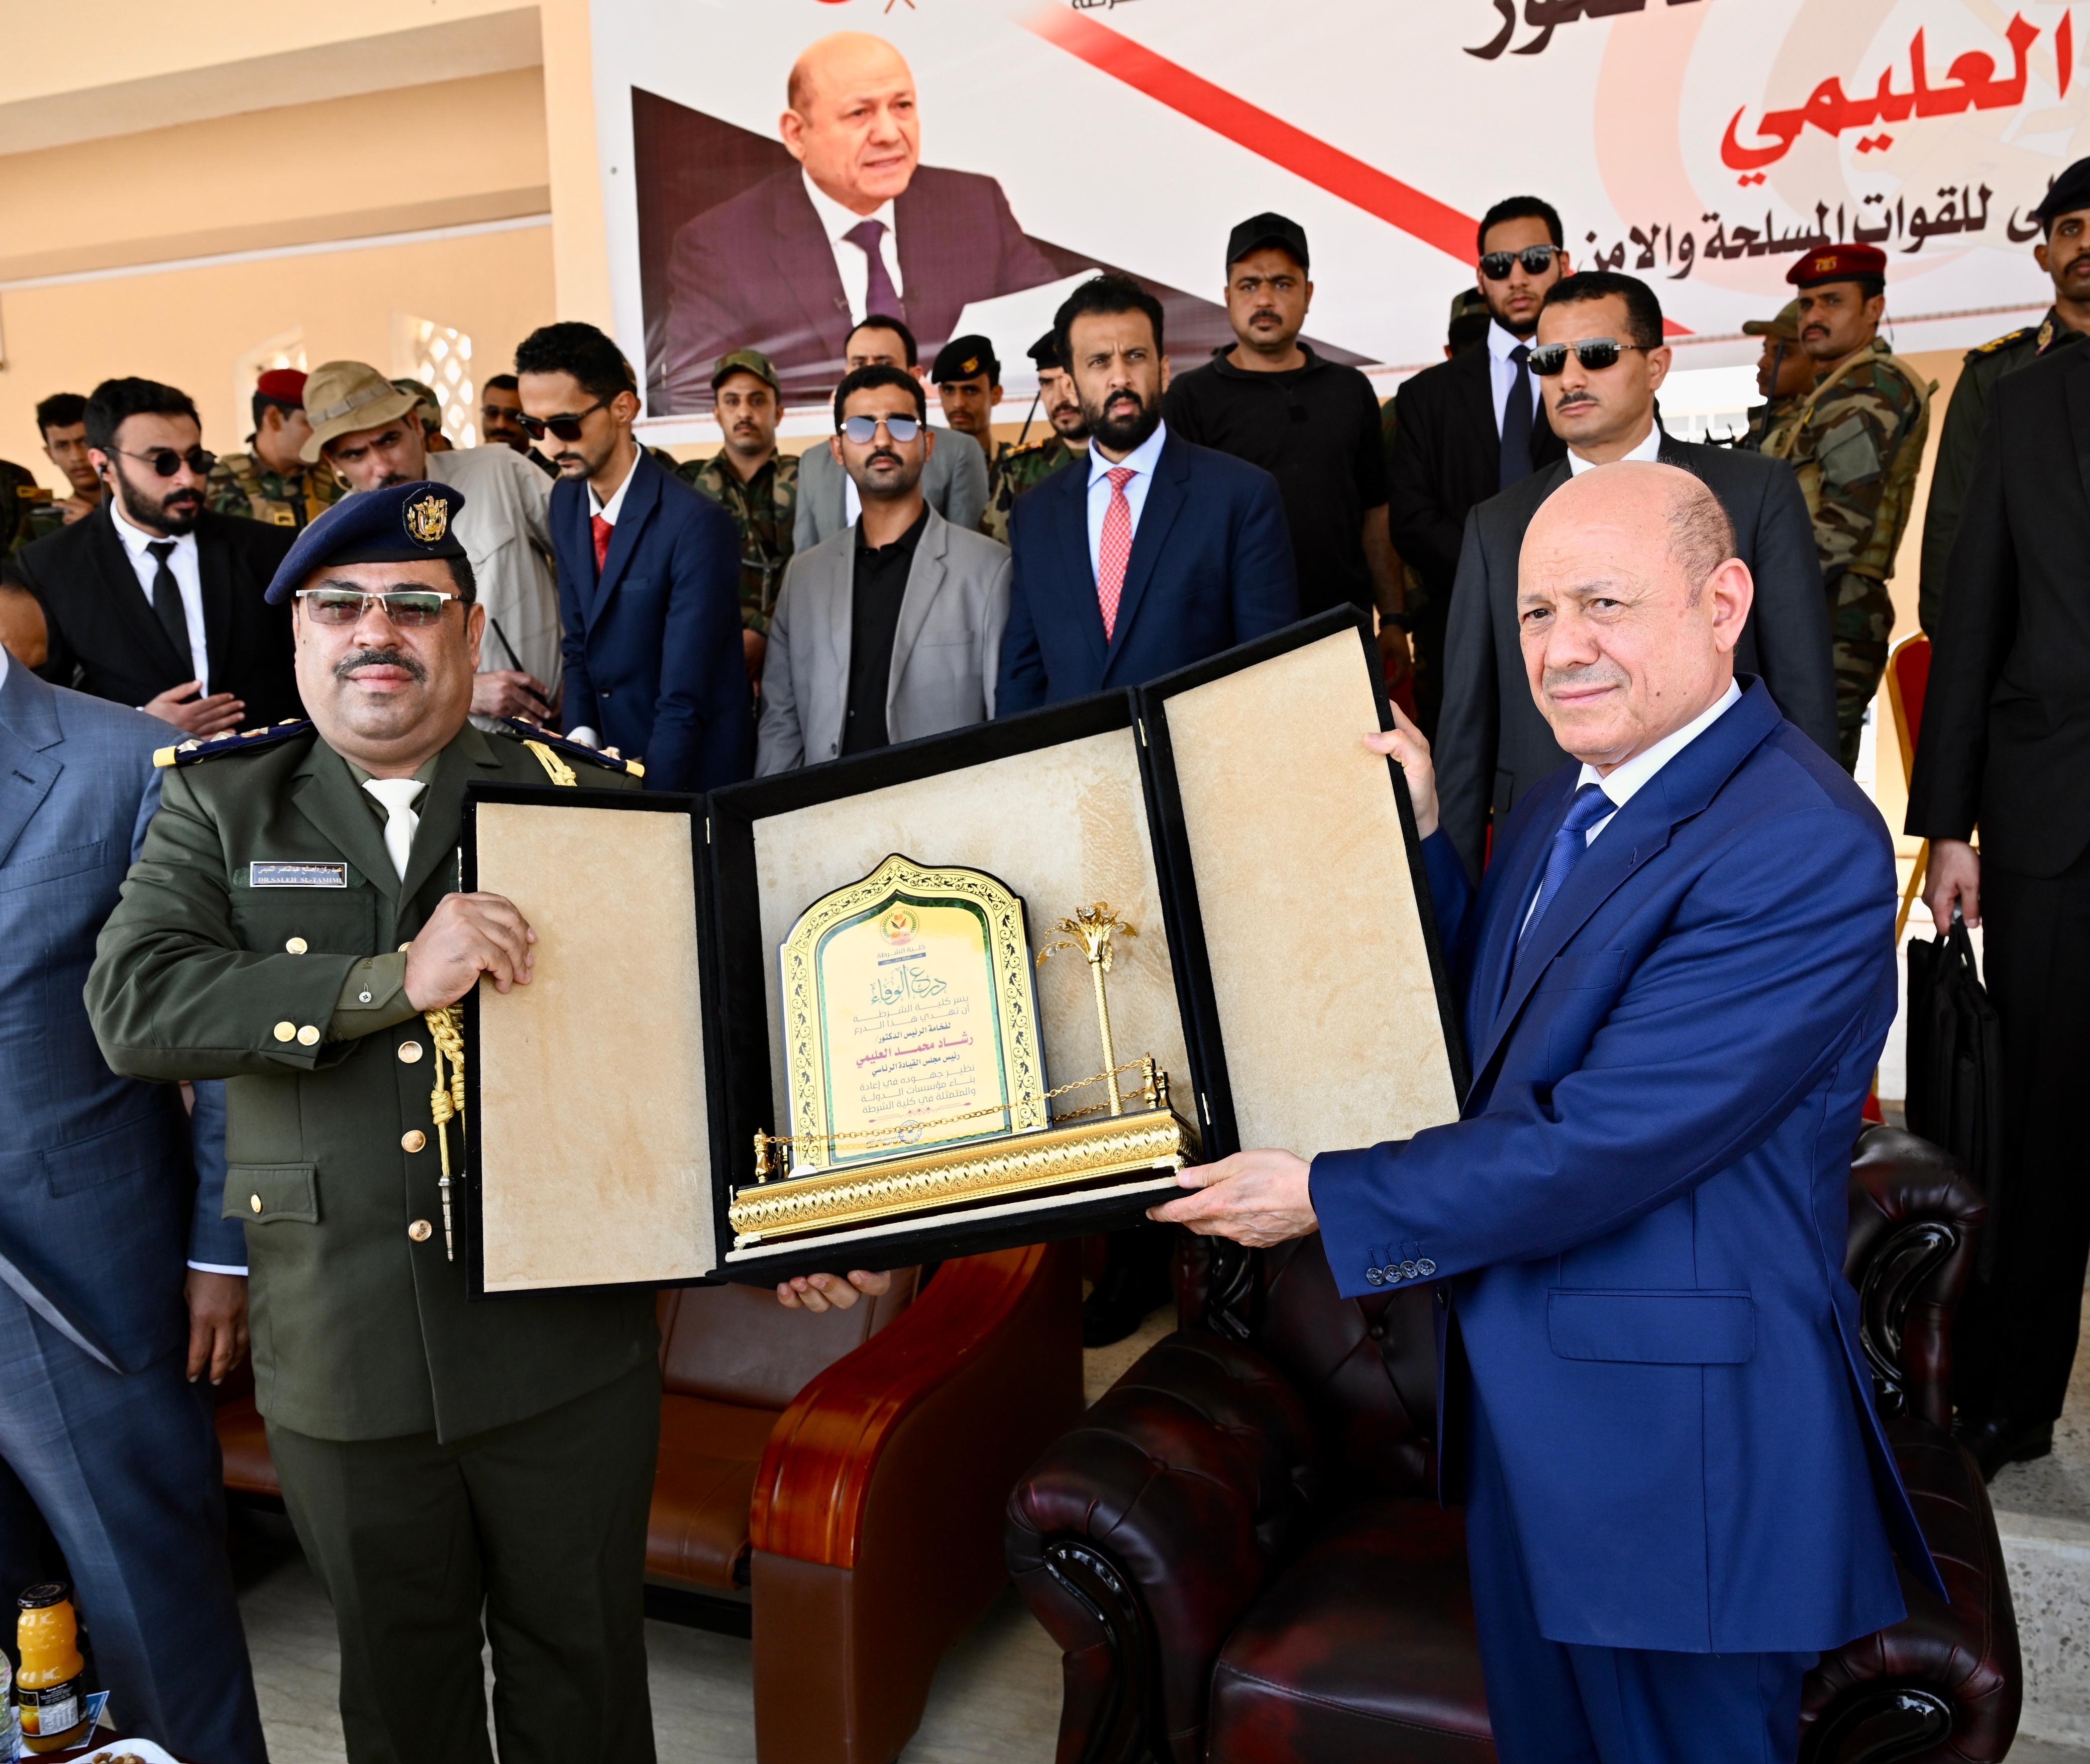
1017, 467
456, 1471
2064, 254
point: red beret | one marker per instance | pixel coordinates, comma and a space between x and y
1838, 263
286, 385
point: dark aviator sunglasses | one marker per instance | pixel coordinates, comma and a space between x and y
166, 462
1595, 354
1495, 264
565, 429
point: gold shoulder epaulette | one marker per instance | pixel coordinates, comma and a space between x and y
188, 752
2004, 341
608, 757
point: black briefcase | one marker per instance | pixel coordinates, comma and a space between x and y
1955, 1064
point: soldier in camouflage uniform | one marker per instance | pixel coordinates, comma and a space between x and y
1856, 444
2064, 254
1785, 376
1017, 467
755, 483
269, 482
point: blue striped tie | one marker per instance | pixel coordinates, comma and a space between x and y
1589, 806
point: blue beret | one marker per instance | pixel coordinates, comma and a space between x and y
400, 524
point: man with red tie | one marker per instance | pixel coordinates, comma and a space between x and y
649, 575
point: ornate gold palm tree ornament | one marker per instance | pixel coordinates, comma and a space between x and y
1090, 931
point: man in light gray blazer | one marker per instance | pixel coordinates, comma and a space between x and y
890, 629
105, 1426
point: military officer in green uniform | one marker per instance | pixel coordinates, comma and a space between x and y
1785, 376
271, 481
757, 486
1015, 465
456, 1471
1856, 442
2063, 252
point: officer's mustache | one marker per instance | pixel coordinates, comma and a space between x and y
876, 454
1569, 400
379, 658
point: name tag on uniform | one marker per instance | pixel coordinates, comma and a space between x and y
297, 876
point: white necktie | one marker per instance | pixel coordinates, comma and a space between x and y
398, 795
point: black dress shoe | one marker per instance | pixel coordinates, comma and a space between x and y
1999, 1440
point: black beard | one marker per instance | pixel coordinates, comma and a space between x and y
152, 511
1121, 434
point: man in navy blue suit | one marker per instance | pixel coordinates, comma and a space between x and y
1677, 978
104, 1423
1160, 554
649, 576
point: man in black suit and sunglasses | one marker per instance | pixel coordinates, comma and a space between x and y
153, 600
1599, 359
1472, 426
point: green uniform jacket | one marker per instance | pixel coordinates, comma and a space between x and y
764, 510
1015, 469
1965, 417
241, 484
359, 1331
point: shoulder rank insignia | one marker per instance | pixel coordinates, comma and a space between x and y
188, 752
2006, 340
543, 741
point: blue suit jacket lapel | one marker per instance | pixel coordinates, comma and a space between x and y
640, 502
1165, 499
1635, 834
28, 726
1077, 573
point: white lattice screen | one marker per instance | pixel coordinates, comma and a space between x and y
441, 357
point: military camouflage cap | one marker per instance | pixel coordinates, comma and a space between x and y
1785, 327
430, 406
747, 361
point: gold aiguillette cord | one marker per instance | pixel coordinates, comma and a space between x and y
446, 1100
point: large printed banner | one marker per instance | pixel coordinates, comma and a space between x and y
773, 169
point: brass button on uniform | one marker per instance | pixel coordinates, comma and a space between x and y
253, 1201
286, 1032
308, 1037
296, 946
410, 1051
413, 1139
419, 1231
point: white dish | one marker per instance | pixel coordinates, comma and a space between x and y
143, 1750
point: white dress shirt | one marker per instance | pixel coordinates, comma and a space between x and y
1142, 460
836, 221
188, 577
1502, 371
1649, 449
1624, 782
587, 734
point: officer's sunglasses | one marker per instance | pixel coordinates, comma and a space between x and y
863, 430
165, 461
1595, 353
1496, 264
409, 609
565, 429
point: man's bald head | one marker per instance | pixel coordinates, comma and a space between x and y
1630, 601
852, 120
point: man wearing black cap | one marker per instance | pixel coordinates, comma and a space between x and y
1017, 468
2063, 252
968, 381
455, 1472
1856, 443
1313, 425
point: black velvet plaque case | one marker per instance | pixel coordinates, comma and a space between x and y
1286, 972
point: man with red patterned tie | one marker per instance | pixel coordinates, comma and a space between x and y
1156, 554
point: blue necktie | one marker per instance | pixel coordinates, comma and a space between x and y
1517, 422
1589, 806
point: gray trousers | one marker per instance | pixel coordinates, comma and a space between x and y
532, 1536
124, 1469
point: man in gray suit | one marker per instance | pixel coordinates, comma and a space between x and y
104, 1425
892, 629
1600, 360
953, 479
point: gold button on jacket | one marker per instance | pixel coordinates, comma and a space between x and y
414, 1139
410, 1051
296, 946
308, 1036
286, 1032
419, 1231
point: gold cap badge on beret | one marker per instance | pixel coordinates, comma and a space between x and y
427, 518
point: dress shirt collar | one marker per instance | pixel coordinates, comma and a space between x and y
1649, 449
1501, 342
835, 220
136, 539
1626, 782
614, 506
3, 669
1142, 458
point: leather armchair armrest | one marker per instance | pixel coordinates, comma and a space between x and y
1915, 1220
1142, 1536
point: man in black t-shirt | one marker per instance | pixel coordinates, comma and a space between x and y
1313, 425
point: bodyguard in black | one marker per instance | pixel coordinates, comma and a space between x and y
1313, 425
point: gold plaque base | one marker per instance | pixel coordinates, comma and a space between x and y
1082, 1152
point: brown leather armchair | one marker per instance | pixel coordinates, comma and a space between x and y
848, 1471
1238, 1551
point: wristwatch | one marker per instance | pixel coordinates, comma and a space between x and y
1400, 619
